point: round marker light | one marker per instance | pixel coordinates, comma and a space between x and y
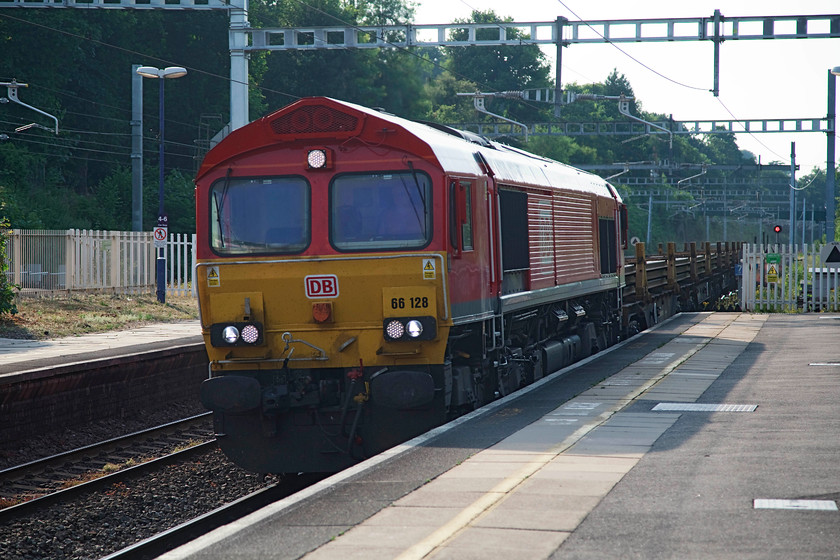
414, 328
250, 334
230, 334
316, 159
395, 329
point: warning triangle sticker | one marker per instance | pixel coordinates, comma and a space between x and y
834, 256
430, 267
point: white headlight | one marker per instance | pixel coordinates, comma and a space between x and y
395, 329
230, 334
414, 328
316, 159
250, 334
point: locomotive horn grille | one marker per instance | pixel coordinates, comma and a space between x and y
314, 119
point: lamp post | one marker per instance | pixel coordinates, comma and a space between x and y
830, 203
161, 231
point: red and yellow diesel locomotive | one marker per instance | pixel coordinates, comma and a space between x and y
363, 278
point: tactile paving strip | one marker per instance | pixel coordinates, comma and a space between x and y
704, 407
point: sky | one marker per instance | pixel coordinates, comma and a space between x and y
773, 79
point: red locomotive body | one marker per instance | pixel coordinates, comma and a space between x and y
390, 275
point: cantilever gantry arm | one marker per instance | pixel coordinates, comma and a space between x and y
478, 103
11, 88
624, 109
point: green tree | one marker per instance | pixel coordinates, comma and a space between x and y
446, 106
500, 68
388, 77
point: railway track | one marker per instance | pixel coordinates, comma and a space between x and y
134, 507
172, 538
27, 487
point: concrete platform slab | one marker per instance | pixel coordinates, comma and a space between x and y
479, 543
538, 512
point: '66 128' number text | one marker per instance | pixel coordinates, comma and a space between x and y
410, 303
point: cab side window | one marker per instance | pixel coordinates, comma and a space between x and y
460, 215
466, 224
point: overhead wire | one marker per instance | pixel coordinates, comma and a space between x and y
628, 55
405, 49
722, 104
88, 158
64, 142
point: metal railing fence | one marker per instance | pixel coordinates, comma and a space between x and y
789, 279
55, 261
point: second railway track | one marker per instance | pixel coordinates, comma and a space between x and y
100, 518
36, 483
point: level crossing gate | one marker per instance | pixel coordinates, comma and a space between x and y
790, 278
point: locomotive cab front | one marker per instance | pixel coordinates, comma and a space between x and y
322, 293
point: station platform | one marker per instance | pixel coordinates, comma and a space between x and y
17, 355
709, 436
69, 382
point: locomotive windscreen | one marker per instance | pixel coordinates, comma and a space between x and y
259, 215
376, 211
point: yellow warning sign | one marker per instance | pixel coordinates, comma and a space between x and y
772, 274
213, 279
429, 271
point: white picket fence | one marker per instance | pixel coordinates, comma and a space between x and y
56, 261
790, 278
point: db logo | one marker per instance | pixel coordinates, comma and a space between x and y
323, 286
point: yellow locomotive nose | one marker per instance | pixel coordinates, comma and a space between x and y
381, 310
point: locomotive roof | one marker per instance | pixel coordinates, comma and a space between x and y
454, 150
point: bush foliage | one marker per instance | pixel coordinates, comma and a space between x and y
7, 289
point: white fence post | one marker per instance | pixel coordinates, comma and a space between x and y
16, 247
115, 268
180, 260
193, 287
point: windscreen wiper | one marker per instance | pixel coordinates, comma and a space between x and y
420, 192
220, 204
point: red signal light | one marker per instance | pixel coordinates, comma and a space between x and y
777, 229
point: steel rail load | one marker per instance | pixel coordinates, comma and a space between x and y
363, 278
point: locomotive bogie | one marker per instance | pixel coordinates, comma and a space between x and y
319, 438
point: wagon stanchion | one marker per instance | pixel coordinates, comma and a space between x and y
692, 254
672, 267
641, 273
708, 265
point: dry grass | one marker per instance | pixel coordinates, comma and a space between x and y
45, 318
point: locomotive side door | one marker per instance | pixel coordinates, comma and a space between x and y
471, 246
